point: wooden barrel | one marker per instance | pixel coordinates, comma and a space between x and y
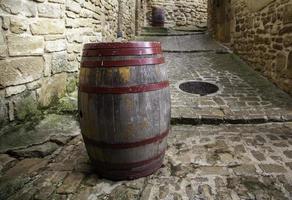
158, 17
124, 104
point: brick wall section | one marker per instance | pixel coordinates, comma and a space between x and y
179, 12
40, 48
261, 33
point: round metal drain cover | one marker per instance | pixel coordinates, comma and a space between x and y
197, 87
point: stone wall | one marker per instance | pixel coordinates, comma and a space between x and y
110, 15
179, 12
260, 32
40, 48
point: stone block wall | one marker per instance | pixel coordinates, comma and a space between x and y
179, 12
40, 48
260, 32
109, 12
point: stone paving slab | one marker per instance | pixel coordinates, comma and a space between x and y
202, 162
177, 31
244, 95
186, 43
55, 128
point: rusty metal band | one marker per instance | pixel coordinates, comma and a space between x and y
129, 173
101, 144
119, 45
124, 90
122, 63
121, 52
128, 165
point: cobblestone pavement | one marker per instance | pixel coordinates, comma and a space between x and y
244, 95
202, 162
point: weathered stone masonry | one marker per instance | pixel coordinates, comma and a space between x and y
260, 32
179, 12
40, 47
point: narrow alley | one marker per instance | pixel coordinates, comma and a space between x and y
229, 69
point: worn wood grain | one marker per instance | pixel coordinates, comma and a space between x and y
124, 118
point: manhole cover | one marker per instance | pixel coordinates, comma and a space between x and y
197, 87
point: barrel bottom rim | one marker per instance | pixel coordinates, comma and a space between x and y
119, 175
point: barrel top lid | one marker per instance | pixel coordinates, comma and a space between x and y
117, 45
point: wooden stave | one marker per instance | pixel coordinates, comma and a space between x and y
123, 77
143, 119
130, 174
129, 153
126, 157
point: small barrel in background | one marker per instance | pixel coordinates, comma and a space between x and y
124, 105
158, 17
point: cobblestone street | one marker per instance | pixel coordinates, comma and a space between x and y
244, 96
232, 145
